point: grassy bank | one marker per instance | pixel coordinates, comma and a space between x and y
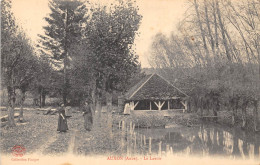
158, 120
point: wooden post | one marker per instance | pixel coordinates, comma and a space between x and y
144, 140
141, 140
168, 104
123, 125
171, 150
137, 125
128, 145
119, 126
135, 141
156, 105
167, 149
150, 145
123, 136
150, 105
160, 106
130, 128
160, 148
186, 105
129, 138
135, 105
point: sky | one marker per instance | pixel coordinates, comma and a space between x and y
158, 16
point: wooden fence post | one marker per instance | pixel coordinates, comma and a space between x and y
167, 149
160, 148
150, 145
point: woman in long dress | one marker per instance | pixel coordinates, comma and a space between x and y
87, 114
62, 121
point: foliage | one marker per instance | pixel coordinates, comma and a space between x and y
110, 36
18, 60
64, 27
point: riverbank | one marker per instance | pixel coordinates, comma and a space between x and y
151, 120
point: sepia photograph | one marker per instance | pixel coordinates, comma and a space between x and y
130, 82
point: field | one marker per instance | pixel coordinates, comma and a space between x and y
38, 134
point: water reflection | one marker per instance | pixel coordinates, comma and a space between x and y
203, 140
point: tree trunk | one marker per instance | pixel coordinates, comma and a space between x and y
244, 115
221, 141
201, 106
216, 30
192, 51
216, 109
109, 102
245, 149
221, 24
43, 98
120, 105
109, 112
202, 31
256, 148
234, 105
189, 106
208, 106
255, 113
257, 102
93, 95
196, 105
21, 119
11, 104
40, 98
65, 61
209, 29
98, 109
235, 151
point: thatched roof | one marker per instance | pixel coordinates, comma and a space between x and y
153, 87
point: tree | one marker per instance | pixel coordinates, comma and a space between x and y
230, 42
244, 19
110, 36
106, 51
25, 71
16, 54
9, 55
44, 79
64, 28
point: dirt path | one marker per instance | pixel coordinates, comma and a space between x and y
45, 145
71, 148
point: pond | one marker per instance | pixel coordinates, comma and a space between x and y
203, 140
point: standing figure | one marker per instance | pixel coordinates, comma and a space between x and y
62, 122
87, 114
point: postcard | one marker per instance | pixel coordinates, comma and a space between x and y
130, 82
